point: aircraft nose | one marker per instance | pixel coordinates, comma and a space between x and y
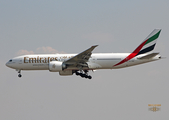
7, 64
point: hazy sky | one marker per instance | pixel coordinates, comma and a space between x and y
71, 26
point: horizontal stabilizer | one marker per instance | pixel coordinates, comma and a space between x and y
149, 56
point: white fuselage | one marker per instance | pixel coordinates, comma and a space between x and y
96, 61
80, 64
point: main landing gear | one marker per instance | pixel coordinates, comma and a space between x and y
19, 75
84, 75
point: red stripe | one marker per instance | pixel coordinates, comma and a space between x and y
133, 54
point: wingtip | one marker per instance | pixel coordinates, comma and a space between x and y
95, 45
158, 29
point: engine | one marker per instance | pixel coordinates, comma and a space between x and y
56, 66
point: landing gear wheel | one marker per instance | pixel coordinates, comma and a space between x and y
19, 75
90, 77
83, 74
77, 73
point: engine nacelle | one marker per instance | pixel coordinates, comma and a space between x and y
56, 66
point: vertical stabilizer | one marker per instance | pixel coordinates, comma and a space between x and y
146, 46
150, 41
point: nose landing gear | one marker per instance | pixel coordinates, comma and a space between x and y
19, 75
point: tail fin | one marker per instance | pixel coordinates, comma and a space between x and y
149, 43
146, 46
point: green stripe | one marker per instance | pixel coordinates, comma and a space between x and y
153, 38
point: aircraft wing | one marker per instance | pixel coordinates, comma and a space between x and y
81, 58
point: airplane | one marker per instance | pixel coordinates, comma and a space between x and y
80, 64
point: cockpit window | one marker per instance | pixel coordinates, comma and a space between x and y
10, 60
